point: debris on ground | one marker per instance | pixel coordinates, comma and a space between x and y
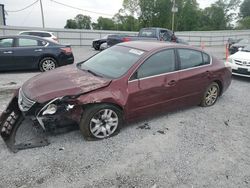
226, 123
144, 126
61, 149
161, 132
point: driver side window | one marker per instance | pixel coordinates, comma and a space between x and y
159, 63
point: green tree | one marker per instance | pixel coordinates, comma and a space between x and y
83, 21
71, 24
244, 23
245, 8
189, 16
104, 23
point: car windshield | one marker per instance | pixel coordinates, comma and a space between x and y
112, 62
246, 49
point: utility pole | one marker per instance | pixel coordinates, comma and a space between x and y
41, 5
174, 10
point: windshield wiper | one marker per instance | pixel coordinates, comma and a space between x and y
92, 72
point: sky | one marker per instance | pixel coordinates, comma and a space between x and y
55, 15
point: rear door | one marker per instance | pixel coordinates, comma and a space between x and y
153, 85
27, 53
6, 52
194, 75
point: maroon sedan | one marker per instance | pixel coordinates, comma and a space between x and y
124, 82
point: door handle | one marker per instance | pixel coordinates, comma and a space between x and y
172, 83
38, 50
8, 52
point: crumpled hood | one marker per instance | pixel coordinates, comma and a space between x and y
67, 80
241, 55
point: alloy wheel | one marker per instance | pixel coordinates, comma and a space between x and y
212, 95
104, 123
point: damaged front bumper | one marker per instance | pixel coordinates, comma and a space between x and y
55, 116
10, 121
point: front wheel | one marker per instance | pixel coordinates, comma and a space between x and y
100, 121
47, 64
211, 95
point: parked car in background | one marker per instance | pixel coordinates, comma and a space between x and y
239, 45
232, 41
96, 44
22, 52
151, 33
44, 34
124, 82
240, 62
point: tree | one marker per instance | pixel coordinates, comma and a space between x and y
245, 8
189, 16
79, 22
244, 23
71, 24
104, 23
132, 6
83, 21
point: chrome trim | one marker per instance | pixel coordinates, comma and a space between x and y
211, 60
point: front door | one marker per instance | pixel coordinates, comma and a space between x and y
154, 84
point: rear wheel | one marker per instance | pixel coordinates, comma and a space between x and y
211, 95
47, 64
100, 121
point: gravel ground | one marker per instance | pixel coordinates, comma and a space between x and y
195, 147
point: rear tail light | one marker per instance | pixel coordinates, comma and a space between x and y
55, 39
66, 50
126, 39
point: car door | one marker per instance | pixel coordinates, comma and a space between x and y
194, 76
6, 52
27, 53
153, 85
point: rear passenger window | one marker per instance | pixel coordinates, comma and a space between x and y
23, 42
159, 63
190, 58
206, 59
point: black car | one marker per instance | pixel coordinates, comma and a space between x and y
240, 44
22, 52
96, 44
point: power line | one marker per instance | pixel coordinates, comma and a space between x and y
69, 6
24, 7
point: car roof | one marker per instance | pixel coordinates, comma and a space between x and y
26, 36
154, 45
37, 31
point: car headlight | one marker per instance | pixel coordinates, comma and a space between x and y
50, 110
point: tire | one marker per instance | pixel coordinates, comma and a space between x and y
47, 64
96, 125
211, 95
97, 47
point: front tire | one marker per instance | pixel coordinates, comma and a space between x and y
100, 121
211, 95
47, 64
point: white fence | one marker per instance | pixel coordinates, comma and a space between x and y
77, 37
